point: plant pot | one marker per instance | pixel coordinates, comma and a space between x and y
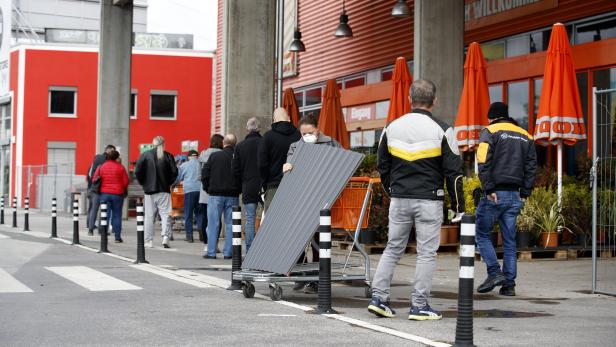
494, 239
444, 236
367, 236
581, 239
549, 239
523, 239
452, 233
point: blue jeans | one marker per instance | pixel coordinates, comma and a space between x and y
114, 206
505, 211
216, 206
251, 219
191, 203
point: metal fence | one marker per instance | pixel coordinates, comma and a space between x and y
604, 192
41, 183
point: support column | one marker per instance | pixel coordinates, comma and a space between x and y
439, 51
114, 76
249, 37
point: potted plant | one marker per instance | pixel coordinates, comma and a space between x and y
525, 224
549, 221
577, 211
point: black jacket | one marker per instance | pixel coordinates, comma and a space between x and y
507, 158
273, 152
416, 154
217, 178
156, 175
245, 167
96, 162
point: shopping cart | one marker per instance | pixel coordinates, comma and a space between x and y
349, 215
177, 207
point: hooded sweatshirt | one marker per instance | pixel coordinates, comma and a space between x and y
273, 152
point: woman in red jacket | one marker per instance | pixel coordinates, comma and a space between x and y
114, 182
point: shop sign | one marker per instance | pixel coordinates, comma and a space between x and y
144, 147
289, 59
480, 13
361, 113
189, 145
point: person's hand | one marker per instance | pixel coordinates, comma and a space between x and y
287, 167
493, 197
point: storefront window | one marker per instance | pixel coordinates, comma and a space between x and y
537, 95
606, 115
313, 96
595, 31
496, 92
519, 45
493, 51
604, 79
517, 99
299, 97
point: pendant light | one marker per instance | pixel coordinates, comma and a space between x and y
343, 29
400, 9
297, 45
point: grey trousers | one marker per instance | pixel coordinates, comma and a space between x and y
159, 203
93, 210
428, 217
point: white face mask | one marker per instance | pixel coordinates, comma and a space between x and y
310, 138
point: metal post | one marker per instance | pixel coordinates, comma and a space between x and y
595, 161
140, 237
2, 210
236, 262
14, 212
103, 228
54, 215
280, 39
464, 322
324, 299
75, 221
26, 214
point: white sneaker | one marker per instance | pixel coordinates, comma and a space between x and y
165, 241
149, 244
205, 248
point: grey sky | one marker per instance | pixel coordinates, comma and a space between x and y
197, 17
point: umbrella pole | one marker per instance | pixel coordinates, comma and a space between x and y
476, 163
559, 170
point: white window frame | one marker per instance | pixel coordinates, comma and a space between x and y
174, 93
136, 94
62, 89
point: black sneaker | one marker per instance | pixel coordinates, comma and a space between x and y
381, 308
424, 313
205, 256
507, 291
299, 286
119, 241
311, 288
490, 283
189, 239
91, 232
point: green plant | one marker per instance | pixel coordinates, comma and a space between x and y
470, 184
577, 207
367, 167
541, 199
379, 212
526, 219
546, 177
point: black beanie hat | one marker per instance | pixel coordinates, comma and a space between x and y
498, 110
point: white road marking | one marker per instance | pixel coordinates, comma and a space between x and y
2, 236
275, 315
91, 279
9, 284
171, 275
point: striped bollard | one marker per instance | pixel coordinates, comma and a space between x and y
324, 299
75, 221
27, 214
103, 228
464, 322
54, 215
2, 210
236, 262
14, 212
140, 237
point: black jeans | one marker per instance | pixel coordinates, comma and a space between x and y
202, 222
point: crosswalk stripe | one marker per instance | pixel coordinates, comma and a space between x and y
91, 279
9, 284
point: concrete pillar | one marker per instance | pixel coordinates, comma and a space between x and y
439, 51
114, 77
249, 37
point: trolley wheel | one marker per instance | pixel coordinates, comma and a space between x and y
248, 289
275, 292
368, 291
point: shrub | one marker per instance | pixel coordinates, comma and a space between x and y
577, 207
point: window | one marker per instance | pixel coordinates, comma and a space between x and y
496, 92
386, 75
355, 82
493, 51
313, 97
595, 31
299, 97
517, 99
519, 45
133, 105
63, 102
538, 83
163, 104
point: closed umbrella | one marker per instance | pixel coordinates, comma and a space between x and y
475, 100
290, 104
399, 103
559, 118
331, 120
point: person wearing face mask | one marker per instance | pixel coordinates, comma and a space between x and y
310, 134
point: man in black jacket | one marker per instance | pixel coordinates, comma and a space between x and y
219, 182
246, 171
273, 152
507, 167
94, 197
156, 171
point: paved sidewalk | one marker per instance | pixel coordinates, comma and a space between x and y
553, 307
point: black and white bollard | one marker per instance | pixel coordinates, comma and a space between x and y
75, 221
27, 214
464, 323
140, 236
236, 261
14, 212
2, 210
324, 299
103, 228
54, 216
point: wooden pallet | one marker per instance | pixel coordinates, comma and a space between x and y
554, 253
370, 249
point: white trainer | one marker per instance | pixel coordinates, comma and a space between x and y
165, 241
149, 244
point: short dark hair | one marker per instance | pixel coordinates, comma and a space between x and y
110, 147
216, 141
423, 93
308, 119
113, 155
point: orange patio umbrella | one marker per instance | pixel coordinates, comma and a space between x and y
559, 118
331, 119
399, 103
475, 100
290, 104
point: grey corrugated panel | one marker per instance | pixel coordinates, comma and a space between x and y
319, 174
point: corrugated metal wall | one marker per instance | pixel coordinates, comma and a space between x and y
217, 98
378, 39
